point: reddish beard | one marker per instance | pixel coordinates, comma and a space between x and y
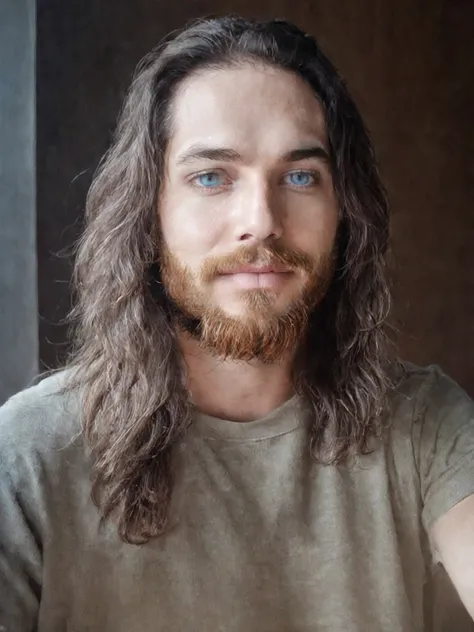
259, 334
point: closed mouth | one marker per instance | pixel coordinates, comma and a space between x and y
256, 269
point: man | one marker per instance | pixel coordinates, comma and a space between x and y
231, 446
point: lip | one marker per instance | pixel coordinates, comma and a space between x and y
255, 277
256, 269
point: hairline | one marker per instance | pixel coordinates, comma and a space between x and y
233, 60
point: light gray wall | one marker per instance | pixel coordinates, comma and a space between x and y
18, 294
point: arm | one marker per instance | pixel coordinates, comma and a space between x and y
444, 450
453, 536
20, 552
20, 563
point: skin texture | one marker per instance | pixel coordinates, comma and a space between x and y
453, 535
257, 197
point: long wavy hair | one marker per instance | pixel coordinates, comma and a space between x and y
125, 358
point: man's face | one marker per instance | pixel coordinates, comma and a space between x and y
248, 214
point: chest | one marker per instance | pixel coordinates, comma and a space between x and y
264, 539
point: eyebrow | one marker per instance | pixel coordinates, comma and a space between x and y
223, 154
196, 152
307, 152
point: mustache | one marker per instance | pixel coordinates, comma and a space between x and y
273, 254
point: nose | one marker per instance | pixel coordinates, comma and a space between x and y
258, 217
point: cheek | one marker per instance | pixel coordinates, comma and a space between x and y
189, 231
314, 229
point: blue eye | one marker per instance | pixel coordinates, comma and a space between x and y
301, 178
210, 179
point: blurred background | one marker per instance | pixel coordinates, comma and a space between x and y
64, 68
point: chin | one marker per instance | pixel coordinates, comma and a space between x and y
255, 308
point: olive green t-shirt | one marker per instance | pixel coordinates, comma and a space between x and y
265, 539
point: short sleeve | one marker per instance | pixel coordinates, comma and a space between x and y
20, 549
444, 445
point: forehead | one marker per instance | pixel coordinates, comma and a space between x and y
254, 109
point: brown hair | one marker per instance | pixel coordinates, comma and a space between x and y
126, 361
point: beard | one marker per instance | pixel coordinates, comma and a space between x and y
260, 333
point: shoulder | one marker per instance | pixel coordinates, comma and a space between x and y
423, 393
434, 414
39, 420
43, 484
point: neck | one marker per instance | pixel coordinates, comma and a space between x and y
234, 390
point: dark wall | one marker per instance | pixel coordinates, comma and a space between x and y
410, 66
